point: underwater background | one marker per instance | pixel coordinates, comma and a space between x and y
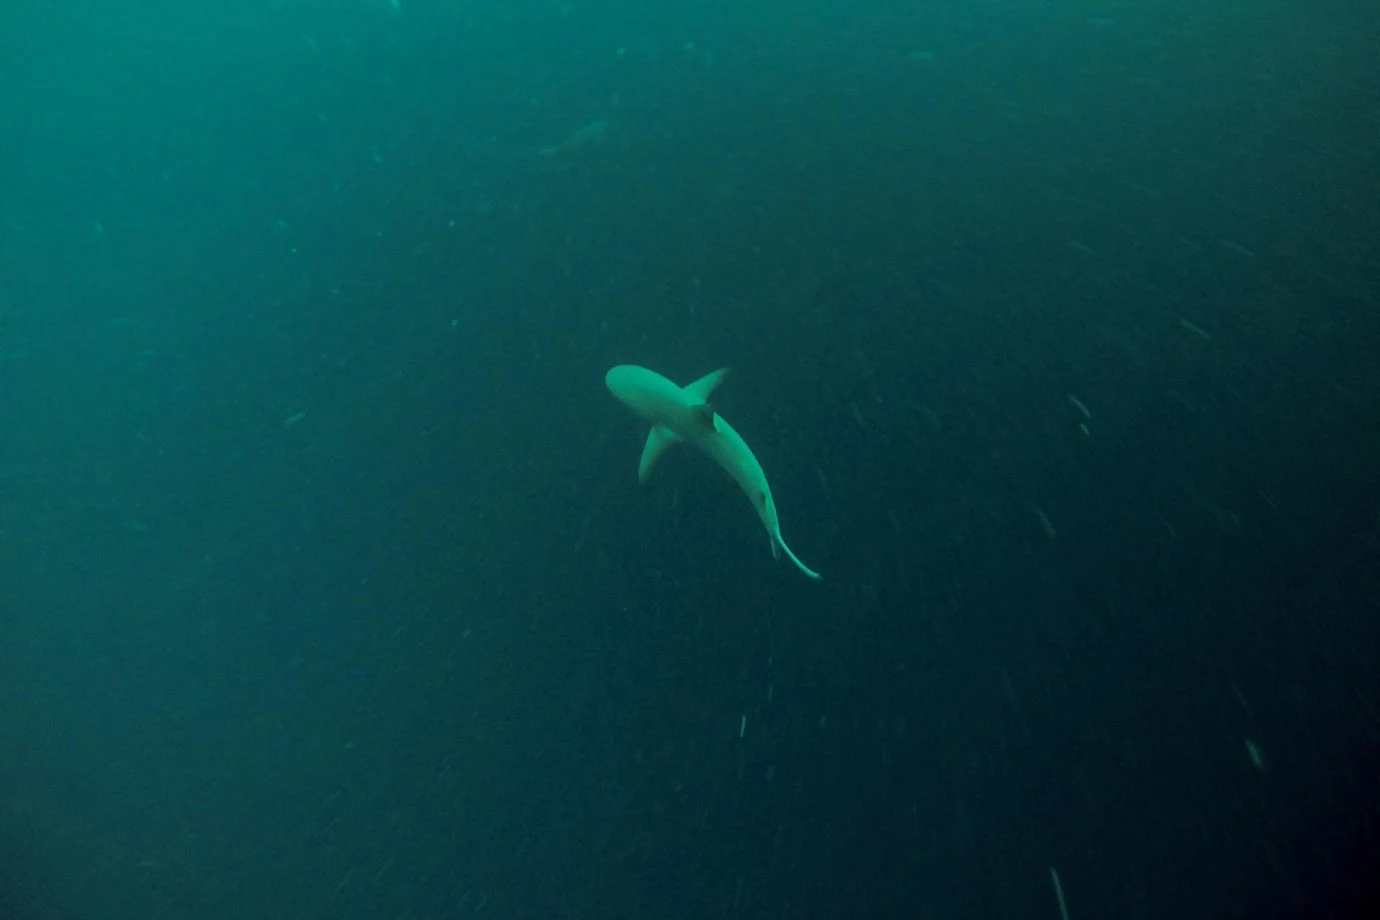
327, 588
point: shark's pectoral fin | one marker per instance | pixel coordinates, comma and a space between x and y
658, 440
699, 391
698, 395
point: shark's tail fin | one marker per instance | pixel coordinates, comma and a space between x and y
798, 564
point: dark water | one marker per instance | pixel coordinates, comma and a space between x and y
326, 586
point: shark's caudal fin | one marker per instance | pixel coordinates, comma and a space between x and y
798, 564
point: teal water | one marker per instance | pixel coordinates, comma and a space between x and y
327, 589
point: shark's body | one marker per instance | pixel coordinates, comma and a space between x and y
684, 414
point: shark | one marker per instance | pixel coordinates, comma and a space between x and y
684, 415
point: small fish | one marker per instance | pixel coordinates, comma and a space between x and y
1195, 329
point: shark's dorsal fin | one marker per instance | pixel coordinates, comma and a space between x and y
698, 392
704, 417
658, 440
